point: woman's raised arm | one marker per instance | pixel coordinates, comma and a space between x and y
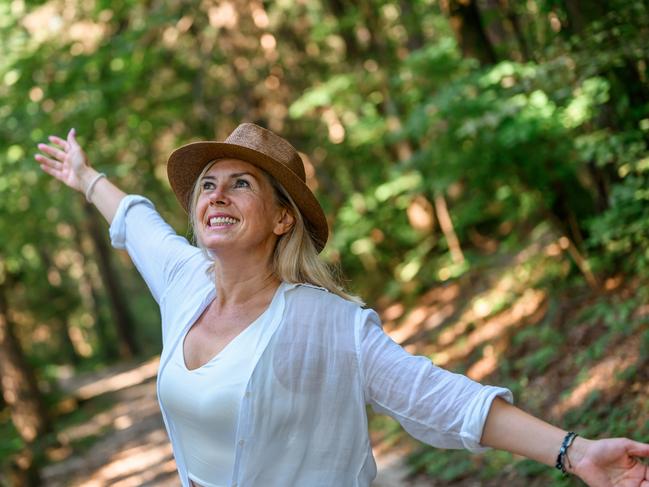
155, 248
66, 161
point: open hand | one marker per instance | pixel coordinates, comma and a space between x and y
613, 463
66, 162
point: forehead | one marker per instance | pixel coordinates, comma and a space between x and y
229, 166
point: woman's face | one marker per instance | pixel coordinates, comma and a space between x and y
237, 210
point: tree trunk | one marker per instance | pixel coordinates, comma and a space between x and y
122, 317
470, 33
446, 224
581, 13
508, 11
566, 243
626, 81
412, 23
339, 10
20, 393
70, 354
19, 389
89, 285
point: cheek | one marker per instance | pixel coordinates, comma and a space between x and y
270, 211
201, 205
199, 213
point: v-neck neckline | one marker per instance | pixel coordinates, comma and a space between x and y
262, 317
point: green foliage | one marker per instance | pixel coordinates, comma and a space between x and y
623, 230
517, 141
11, 442
539, 360
450, 466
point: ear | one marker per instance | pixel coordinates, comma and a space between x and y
285, 222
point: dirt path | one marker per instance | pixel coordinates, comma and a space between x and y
129, 443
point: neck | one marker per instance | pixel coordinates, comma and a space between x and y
242, 281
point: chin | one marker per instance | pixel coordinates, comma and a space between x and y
210, 244
214, 245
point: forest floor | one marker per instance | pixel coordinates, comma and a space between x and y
574, 355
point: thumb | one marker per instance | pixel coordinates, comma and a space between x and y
637, 449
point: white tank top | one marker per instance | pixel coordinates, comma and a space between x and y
203, 404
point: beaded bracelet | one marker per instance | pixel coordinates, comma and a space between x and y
563, 451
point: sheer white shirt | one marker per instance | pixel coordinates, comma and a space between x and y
302, 420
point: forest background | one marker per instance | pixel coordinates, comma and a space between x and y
483, 164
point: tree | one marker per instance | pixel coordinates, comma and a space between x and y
21, 394
466, 21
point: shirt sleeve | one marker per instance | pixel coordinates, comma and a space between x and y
438, 407
154, 247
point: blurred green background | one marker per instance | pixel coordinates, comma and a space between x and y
483, 165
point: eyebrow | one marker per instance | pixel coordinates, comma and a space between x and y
233, 175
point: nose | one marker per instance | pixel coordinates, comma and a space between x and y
218, 196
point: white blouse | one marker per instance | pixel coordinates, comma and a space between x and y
302, 420
204, 402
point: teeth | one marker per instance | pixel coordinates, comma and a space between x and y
222, 220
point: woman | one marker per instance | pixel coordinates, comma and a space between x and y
267, 364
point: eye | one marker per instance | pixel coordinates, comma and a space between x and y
241, 183
207, 185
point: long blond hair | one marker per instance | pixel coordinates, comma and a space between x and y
295, 258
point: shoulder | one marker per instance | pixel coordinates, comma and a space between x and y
190, 273
309, 295
315, 308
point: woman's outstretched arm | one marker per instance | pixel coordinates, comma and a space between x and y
600, 463
66, 161
451, 411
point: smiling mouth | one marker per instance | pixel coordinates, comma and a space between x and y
221, 221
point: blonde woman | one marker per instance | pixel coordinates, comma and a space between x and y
267, 363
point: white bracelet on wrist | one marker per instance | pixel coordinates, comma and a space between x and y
92, 185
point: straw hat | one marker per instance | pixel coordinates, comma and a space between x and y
262, 148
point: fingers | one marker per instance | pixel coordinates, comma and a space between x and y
51, 171
63, 143
51, 167
49, 163
52, 151
58, 141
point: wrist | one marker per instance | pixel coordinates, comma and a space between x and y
91, 186
576, 455
86, 177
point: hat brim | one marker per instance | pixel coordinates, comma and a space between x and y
186, 163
